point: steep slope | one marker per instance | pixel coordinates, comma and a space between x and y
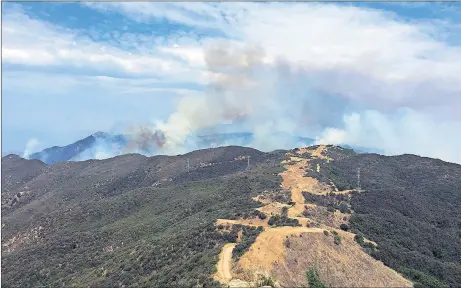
411, 208
150, 221
130, 219
16, 172
284, 251
57, 154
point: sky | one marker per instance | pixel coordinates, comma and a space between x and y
378, 75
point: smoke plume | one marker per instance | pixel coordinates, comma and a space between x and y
245, 91
31, 147
277, 101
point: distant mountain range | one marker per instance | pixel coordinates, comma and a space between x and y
102, 145
70, 152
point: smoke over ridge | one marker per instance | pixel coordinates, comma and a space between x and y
275, 100
244, 91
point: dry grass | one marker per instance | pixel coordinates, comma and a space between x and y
268, 250
272, 208
321, 215
294, 180
285, 253
344, 265
253, 222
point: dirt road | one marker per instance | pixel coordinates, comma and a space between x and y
224, 265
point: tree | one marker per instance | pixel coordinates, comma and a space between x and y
313, 278
284, 211
343, 208
344, 227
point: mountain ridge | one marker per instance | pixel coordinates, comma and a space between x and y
102, 145
151, 221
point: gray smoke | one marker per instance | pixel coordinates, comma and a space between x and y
276, 100
246, 91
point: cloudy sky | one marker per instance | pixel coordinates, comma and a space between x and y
381, 75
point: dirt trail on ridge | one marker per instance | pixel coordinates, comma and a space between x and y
224, 265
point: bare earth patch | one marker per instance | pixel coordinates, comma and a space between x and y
344, 265
223, 275
254, 222
268, 250
285, 253
272, 208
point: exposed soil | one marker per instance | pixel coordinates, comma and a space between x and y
285, 253
224, 274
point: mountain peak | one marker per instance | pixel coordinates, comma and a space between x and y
100, 134
12, 156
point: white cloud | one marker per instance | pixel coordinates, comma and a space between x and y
192, 14
192, 55
373, 61
32, 42
361, 53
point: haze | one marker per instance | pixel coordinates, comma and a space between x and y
378, 75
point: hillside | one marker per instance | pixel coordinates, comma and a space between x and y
136, 220
302, 235
129, 219
411, 208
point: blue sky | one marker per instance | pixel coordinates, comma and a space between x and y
390, 70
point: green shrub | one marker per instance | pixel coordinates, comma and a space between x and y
278, 220
326, 232
249, 235
369, 245
337, 239
421, 279
265, 281
313, 278
284, 211
359, 239
344, 208
344, 227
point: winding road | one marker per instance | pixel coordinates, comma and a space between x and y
224, 264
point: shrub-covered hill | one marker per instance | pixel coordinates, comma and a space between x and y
147, 221
128, 220
411, 207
